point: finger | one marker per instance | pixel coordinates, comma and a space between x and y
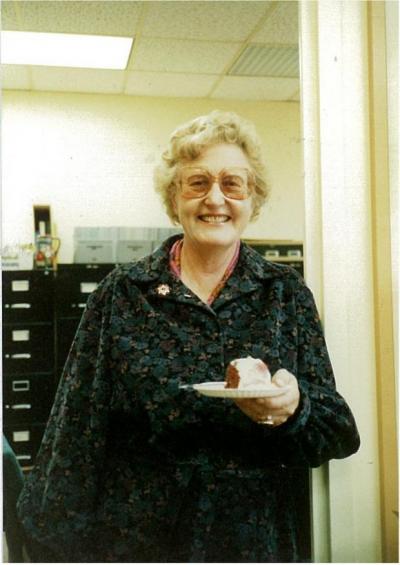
252, 409
275, 405
282, 377
281, 406
279, 402
259, 412
277, 420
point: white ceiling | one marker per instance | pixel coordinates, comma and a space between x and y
213, 49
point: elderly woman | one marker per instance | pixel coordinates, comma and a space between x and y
134, 467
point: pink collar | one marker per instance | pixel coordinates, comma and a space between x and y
175, 266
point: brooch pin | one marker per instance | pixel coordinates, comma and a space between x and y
163, 289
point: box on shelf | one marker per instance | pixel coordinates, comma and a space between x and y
117, 244
94, 252
132, 250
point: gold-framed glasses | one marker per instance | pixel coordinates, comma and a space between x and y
235, 182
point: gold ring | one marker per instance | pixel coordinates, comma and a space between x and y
268, 422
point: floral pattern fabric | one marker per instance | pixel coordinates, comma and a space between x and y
132, 468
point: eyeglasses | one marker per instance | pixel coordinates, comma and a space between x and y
235, 182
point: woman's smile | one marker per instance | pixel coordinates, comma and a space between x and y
214, 219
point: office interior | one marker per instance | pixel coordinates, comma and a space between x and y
320, 81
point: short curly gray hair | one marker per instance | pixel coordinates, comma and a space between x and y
188, 141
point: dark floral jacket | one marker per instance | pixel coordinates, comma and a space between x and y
134, 469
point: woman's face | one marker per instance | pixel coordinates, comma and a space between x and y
213, 219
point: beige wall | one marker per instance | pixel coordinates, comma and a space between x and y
350, 177
91, 157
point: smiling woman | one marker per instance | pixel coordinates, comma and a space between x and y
215, 217
135, 466
189, 142
212, 182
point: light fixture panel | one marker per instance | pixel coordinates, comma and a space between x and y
65, 50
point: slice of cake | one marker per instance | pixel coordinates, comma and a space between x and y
247, 373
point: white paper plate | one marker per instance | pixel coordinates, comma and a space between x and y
218, 389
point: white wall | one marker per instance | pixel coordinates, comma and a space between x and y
393, 66
91, 158
338, 89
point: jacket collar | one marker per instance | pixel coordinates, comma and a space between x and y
250, 267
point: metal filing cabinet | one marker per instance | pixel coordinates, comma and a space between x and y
28, 359
41, 313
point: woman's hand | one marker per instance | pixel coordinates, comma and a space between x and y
274, 410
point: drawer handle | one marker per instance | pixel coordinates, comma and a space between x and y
88, 287
21, 436
294, 253
19, 305
20, 386
20, 356
21, 406
24, 457
20, 286
20, 335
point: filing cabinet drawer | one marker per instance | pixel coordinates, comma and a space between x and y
73, 286
27, 398
28, 296
25, 441
28, 348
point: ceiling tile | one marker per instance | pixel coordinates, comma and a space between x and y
180, 49
15, 77
168, 84
97, 18
77, 80
224, 21
281, 26
169, 55
8, 15
256, 88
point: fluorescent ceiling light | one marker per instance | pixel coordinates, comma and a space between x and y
65, 50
